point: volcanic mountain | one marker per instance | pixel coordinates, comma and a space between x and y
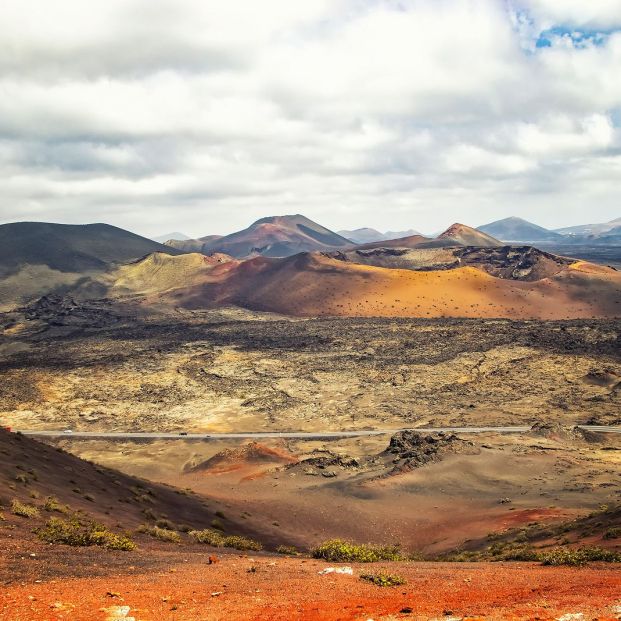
278, 236
462, 235
317, 284
40, 257
517, 229
69, 247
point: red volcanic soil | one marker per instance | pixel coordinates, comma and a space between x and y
312, 284
184, 587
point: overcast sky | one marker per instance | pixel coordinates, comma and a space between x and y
201, 116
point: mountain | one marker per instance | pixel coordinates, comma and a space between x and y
367, 235
176, 236
517, 229
278, 236
37, 258
462, 235
69, 247
590, 229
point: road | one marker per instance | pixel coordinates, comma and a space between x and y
300, 435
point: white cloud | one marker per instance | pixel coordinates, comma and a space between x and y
593, 14
207, 115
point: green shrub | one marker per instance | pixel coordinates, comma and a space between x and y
612, 533
73, 533
163, 534
217, 524
289, 550
208, 537
51, 504
383, 579
167, 524
218, 540
578, 556
337, 550
241, 543
24, 510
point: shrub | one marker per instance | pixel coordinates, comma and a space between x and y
290, 550
241, 543
167, 524
24, 510
578, 556
73, 533
163, 534
383, 579
612, 533
337, 550
51, 504
208, 537
217, 524
218, 540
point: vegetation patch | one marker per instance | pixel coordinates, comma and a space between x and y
218, 540
52, 504
163, 534
23, 509
339, 551
382, 579
289, 550
72, 532
578, 556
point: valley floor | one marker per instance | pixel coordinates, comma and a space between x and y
164, 585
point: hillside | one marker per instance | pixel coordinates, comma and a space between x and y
517, 229
411, 241
31, 472
37, 258
69, 247
313, 284
278, 236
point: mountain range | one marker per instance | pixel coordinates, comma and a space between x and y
292, 265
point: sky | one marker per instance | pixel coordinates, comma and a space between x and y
202, 116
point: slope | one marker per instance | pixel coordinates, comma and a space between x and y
312, 284
38, 258
69, 247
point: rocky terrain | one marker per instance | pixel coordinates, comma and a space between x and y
103, 367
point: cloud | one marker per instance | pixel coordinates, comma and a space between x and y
202, 116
